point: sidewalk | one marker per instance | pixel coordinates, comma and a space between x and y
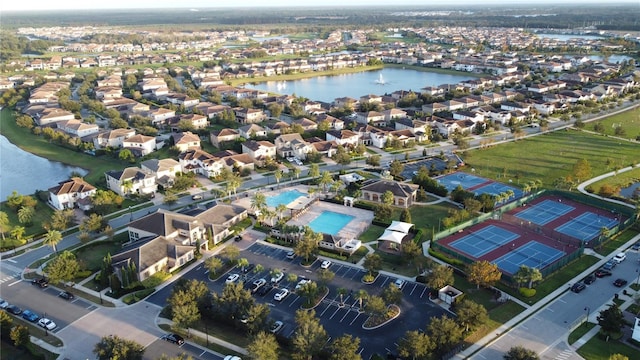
540, 305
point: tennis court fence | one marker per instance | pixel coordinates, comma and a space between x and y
549, 233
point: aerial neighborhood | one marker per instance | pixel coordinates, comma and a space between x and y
216, 220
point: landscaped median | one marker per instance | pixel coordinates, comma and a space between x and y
376, 321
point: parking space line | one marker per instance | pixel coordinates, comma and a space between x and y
325, 309
335, 312
385, 281
422, 293
296, 299
346, 272
345, 315
354, 319
414, 288
354, 274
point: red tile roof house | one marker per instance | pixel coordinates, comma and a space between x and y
185, 141
404, 195
71, 193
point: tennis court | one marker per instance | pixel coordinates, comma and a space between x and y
544, 212
532, 254
484, 240
587, 226
451, 181
498, 188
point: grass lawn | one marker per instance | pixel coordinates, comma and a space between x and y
428, 217
598, 349
42, 214
556, 280
38, 145
9, 351
395, 264
628, 120
622, 180
91, 255
371, 234
613, 244
580, 331
549, 157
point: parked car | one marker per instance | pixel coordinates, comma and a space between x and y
609, 265
636, 246
232, 357
589, 279
14, 310
277, 326
602, 273
257, 285
301, 283
280, 295
196, 197
30, 316
620, 282
619, 257
577, 287
174, 338
264, 290
276, 278
41, 282
66, 295
325, 264
232, 278
3, 304
399, 283
291, 255
47, 324
248, 268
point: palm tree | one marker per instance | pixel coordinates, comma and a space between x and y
325, 180
127, 185
314, 170
342, 292
281, 208
277, 175
52, 238
17, 233
258, 202
526, 188
361, 295
296, 172
25, 214
4, 223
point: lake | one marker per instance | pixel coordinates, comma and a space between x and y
25, 173
355, 85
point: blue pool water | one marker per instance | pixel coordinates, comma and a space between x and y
330, 222
284, 197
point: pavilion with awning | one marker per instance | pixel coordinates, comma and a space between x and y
393, 235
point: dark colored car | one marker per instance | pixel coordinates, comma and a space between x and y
174, 338
609, 265
589, 279
620, 282
248, 268
30, 316
577, 287
636, 246
14, 310
602, 273
41, 282
66, 295
264, 290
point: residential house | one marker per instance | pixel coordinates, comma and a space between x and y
77, 128
159, 116
252, 131
305, 124
194, 121
200, 162
181, 100
276, 126
210, 110
184, 141
346, 138
292, 145
259, 151
111, 138
131, 180
404, 194
333, 122
217, 137
165, 170
72, 193
140, 145
394, 114
249, 116
371, 117
416, 126
468, 115
53, 115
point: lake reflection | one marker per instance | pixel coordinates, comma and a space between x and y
25, 173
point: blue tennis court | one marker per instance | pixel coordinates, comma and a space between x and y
467, 181
532, 254
483, 241
544, 212
587, 226
498, 188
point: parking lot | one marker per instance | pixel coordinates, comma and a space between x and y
337, 318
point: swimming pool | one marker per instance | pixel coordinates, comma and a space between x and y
330, 222
284, 197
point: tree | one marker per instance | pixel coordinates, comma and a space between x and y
405, 216
20, 336
62, 219
373, 160
392, 294
25, 214
415, 345
185, 315
618, 357
263, 346
440, 276
520, 353
114, 347
213, 264
309, 291
126, 155
63, 268
314, 170
234, 302
376, 307
361, 295
345, 348
93, 224
484, 273
310, 335
325, 180
445, 334
396, 168
4, 224
52, 238
308, 245
611, 320
17, 233
6, 324
528, 275
411, 251
231, 253
581, 170
325, 276
470, 314
372, 263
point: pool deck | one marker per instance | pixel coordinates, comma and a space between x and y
361, 218
246, 201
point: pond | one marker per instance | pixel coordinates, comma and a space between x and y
25, 173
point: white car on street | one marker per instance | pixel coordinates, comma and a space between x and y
232, 278
281, 295
325, 264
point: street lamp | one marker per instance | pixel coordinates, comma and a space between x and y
46, 331
588, 310
130, 215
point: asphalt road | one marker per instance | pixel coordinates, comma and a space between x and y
546, 331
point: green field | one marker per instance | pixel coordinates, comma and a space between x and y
621, 180
550, 157
629, 121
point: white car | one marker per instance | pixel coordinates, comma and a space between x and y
276, 278
399, 283
281, 295
301, 283
257, 285
47, 324
232, 357
619, 257
232, 278
3, 304
277, 326
325, 264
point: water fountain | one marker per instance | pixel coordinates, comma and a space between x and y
380, 80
